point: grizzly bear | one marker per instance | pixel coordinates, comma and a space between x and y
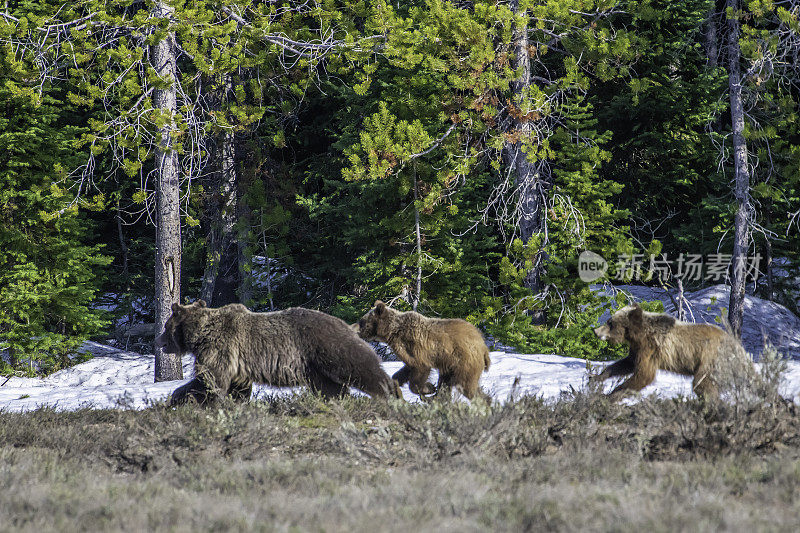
453, 346
234, 348
660, 341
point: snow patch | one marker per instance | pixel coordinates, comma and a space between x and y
119, 379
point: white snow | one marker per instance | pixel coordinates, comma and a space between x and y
118, 379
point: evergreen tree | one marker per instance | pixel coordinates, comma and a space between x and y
48, 275
447, 122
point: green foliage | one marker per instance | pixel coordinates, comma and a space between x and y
664, 138
571, 315
48, 276
574, 337
338, 154
442, 122
671, 125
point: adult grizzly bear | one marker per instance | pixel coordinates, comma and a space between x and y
235, 348
659, 341
453, 346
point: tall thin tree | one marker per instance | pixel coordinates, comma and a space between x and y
168, 221
527, 175
221, 275
741, 187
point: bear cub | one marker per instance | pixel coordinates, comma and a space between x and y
453, 346
658, 341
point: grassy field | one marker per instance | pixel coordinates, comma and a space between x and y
304, 464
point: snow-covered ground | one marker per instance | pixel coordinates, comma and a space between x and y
118, 379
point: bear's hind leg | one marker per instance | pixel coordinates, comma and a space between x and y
471, 388
382, 387
371, 378
328, 388
240, 392
403, 375
703, 385
444, 386
467, 382
356, 365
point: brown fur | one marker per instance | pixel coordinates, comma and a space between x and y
235, 348
658, 341
453, 346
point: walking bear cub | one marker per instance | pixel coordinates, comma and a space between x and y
453, 346
235, 348
659, 341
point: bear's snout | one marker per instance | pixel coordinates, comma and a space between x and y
601, 332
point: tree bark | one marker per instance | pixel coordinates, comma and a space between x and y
768, 269
711, 44
168, 223
530, 186
122, 246
229, 279
741, 188
244, 257
418, 291
221, 275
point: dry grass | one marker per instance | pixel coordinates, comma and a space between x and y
302, 463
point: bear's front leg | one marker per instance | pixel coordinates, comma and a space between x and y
418, 382
218, 383
195, 390
403, 353
643, 375
623, 367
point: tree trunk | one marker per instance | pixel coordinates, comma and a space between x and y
122, 246
221, 275
530, 186
229, 279
711, 44
244, 256
768, 269
742, 176
168, 222
418, 291
125, 274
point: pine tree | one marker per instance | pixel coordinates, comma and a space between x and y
48, 276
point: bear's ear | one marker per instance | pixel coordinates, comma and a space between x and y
200, 303
637, 315
176, 307
380, 307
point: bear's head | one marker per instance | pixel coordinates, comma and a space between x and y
631, 324
376, 325
174, 338
622, 326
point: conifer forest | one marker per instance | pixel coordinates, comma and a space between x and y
456, 157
